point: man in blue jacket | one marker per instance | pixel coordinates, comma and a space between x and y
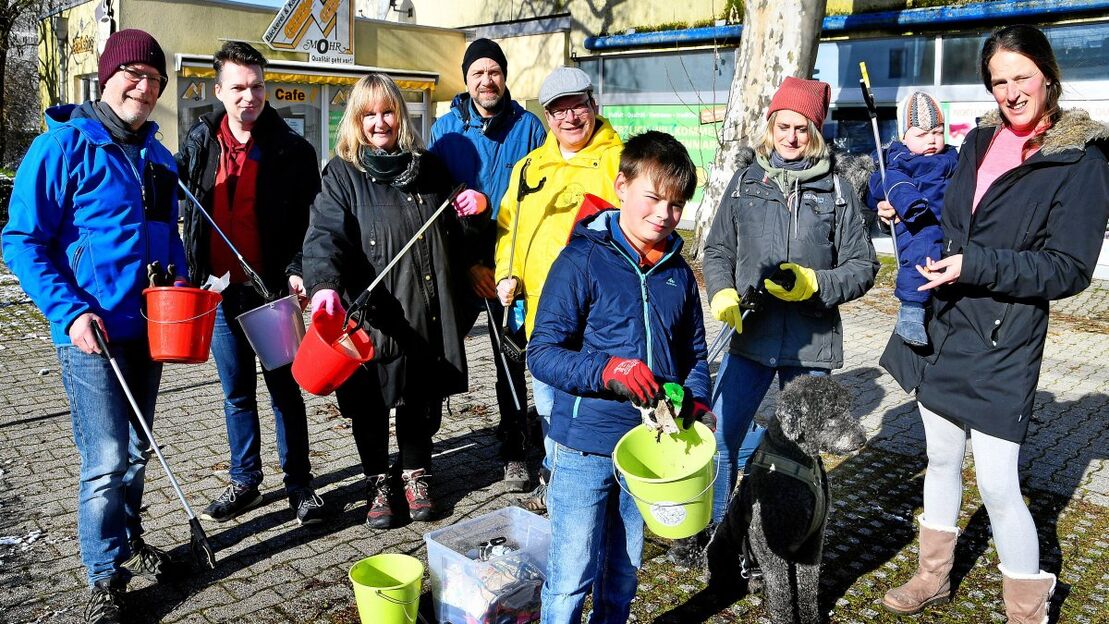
94, 204
482, 136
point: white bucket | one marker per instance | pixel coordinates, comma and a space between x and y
274, 330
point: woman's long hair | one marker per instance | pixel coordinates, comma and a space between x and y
816, 148
1030, 42
370, 91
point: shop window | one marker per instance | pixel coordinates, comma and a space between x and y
704, 71
88, 88
890, 62
1081, 51
852, 132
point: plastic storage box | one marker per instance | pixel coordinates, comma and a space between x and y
489, 570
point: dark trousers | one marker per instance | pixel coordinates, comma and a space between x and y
418, 420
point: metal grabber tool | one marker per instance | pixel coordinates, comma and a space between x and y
872, 111
516, 348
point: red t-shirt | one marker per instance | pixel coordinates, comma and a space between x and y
233, 206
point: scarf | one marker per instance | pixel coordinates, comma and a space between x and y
789, 175
398, 169
121, 132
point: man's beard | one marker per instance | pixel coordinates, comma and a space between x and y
489, 101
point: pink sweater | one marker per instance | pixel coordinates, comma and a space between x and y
1003, 154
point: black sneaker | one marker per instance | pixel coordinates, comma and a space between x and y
380, 513
150, 562
105, 603
309, 508
234, 500
516, 476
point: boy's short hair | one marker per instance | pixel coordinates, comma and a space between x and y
664, 160
239, 53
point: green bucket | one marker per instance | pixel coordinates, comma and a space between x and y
671, 479
387, 588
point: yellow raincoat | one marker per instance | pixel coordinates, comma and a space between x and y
547, 216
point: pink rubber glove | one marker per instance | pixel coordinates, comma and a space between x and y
328, 300
470, 203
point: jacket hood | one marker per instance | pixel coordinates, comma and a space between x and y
598, 228
1075, 130
269, 121
604, 137
462, 108
855, 168
84, 121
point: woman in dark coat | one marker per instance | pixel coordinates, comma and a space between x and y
377, 192
1023, 219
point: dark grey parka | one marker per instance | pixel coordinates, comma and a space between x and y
357, 225
1035, 237
755, 229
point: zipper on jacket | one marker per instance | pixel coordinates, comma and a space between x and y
645, 294
142, 190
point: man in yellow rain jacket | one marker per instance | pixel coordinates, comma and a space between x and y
580, 155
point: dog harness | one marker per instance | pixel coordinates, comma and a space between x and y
813, 476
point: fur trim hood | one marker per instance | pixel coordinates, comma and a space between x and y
855, 168
1075, 130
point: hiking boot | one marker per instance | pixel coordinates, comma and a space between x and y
380, 514
150, 562
420, 507
516, 476
309, 508
235, 500
536, 500
105, 603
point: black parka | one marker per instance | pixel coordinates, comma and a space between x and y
1035, 237
357, 226
288, 180
756, 228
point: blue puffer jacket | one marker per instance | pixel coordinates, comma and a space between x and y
598, 303
481, 152
85, 222
916, 185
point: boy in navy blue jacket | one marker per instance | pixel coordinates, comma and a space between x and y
917, 170
619, 316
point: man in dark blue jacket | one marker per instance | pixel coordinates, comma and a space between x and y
620, 314
94, 204
479, 140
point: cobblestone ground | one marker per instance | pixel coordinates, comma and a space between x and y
270, 570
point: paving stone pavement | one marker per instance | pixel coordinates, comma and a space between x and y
271, 570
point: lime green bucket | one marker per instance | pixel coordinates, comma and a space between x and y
671, 479
387, 588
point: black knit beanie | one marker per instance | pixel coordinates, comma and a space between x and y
483, 48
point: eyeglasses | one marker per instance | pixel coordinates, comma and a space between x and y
580, 109
135, 76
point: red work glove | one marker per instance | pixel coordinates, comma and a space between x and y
632, 380
692, 410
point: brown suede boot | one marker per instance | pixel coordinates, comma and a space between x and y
932, 582
1027, 596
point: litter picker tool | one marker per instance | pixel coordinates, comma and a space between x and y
749, 302
516, 351
255, 280
872, 112
357, 309
500, 352
201, 549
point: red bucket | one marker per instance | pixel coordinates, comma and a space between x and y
328, 356
179, 323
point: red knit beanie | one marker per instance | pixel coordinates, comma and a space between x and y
130, 46
807, 97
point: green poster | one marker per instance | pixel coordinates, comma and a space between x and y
684, 122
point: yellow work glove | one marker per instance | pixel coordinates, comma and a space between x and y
725, 308
804, 285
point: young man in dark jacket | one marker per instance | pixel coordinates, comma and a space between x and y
479, 140
620, 314
95, 202
257, 178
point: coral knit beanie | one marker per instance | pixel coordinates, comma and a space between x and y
130, 46
807, 97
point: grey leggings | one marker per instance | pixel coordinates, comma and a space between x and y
995, 465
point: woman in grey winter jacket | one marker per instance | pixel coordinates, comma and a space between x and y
1023, 220
787, 211
377, 192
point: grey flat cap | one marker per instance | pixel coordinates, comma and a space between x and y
564, 81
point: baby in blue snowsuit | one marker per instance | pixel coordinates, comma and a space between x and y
917, 171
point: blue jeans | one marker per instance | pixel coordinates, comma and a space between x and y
543, 395
741, 384
113, 449
239, 376
596, 541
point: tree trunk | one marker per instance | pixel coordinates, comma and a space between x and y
780, 38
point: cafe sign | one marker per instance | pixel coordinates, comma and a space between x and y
323, 29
